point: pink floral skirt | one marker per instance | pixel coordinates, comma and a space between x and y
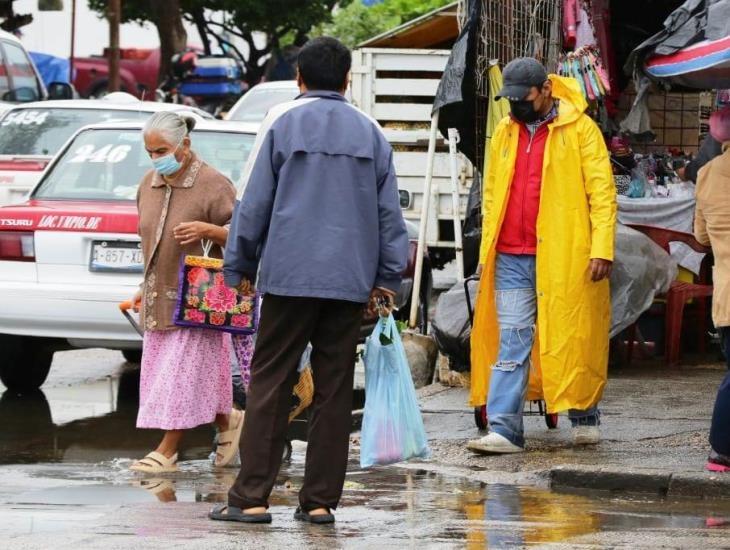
186, 378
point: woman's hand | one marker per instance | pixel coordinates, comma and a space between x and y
137, 300
191, 232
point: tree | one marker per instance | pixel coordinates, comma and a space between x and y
282, 22
166, 15
355, 22
219, 22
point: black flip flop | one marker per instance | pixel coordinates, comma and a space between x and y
320, 519
225, 512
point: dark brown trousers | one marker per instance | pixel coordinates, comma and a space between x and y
287, 325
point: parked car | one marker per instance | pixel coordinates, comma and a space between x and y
254, 104
19, 78
138, 73
31, 134
70, 253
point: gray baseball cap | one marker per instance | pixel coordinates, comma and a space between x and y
519, 76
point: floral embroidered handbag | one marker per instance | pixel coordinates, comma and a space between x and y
204, 300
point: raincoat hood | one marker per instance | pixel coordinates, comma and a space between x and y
572, 103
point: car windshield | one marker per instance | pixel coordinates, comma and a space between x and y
256, 103
44, 131
109, 164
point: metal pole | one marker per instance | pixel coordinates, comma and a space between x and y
425, 205
114, 12
455, 208
73, 43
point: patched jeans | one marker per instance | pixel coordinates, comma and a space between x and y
516, 298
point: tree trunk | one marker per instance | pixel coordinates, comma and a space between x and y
114, 13
167, 17
198, 15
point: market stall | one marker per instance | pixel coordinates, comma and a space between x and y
653, 114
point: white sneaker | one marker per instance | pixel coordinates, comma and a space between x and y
493, 443
586, 435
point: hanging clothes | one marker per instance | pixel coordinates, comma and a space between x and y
638, 121
570, 21
498, 109
585, 35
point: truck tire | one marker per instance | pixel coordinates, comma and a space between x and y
132, 355
24, 363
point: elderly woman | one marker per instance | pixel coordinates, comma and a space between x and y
186, 373
712, 228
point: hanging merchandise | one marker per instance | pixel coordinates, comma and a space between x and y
585, 66
570, 19
498, 108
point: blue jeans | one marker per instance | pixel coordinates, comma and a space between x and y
517, 314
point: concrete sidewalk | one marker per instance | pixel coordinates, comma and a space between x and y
655, 430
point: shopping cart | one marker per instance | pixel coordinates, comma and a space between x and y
535, 408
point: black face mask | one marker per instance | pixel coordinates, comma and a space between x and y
524, 111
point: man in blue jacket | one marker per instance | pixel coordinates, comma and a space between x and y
319, 221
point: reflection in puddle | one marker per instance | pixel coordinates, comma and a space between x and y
30, 435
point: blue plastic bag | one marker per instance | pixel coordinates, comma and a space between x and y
392, 427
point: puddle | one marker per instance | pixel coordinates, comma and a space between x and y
383, 505
65, 456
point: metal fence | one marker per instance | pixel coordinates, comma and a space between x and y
510, 29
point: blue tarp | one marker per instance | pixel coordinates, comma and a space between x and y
51, 68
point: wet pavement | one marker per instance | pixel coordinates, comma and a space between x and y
64, 483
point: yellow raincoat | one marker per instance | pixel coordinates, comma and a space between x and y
576, 222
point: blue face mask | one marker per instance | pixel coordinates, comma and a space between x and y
167, 165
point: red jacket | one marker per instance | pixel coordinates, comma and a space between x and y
518, 234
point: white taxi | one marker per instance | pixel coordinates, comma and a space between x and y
32, 133
70, 253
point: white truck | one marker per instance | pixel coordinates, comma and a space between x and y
397, 87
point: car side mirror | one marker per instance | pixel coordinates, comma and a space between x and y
60, 90
21, 95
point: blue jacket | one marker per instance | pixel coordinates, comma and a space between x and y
319, 210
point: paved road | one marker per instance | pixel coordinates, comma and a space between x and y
64, 483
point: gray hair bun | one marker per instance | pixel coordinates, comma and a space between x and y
173, 126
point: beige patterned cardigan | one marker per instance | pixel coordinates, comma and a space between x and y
198, 193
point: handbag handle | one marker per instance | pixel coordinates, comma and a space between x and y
207, 245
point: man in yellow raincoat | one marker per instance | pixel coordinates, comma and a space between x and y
543, 312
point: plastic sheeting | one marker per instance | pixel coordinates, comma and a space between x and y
642, 271
51, 68
451, 327
456, 94
693, 22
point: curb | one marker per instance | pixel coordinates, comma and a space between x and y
641, 480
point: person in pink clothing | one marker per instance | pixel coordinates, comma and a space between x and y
186, 372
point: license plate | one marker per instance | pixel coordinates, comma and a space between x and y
121, 256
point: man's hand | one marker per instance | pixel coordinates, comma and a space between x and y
190, 232
480, 269
246, 286
600, 269
380, 294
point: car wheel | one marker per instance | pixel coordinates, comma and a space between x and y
24, 363
132, 355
